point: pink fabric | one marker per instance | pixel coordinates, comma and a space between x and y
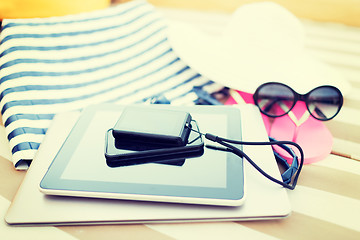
313, 136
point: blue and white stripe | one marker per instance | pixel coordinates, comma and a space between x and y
120, 54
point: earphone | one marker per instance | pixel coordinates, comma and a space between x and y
292, 171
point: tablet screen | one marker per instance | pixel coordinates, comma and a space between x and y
80, 169
86, 165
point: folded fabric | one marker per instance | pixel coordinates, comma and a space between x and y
50, 65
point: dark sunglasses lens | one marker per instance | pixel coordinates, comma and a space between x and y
275, 100
324, 102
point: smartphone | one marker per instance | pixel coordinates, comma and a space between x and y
163, 127
149, 141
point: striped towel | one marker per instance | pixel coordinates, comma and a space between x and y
50, 65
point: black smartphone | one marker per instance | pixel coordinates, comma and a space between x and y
133, 143
148, 125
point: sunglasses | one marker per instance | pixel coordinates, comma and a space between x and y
277, 99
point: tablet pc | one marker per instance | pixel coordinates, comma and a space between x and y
80, 169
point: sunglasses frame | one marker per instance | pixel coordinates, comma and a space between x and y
297, 97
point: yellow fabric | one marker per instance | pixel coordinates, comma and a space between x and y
47, 8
